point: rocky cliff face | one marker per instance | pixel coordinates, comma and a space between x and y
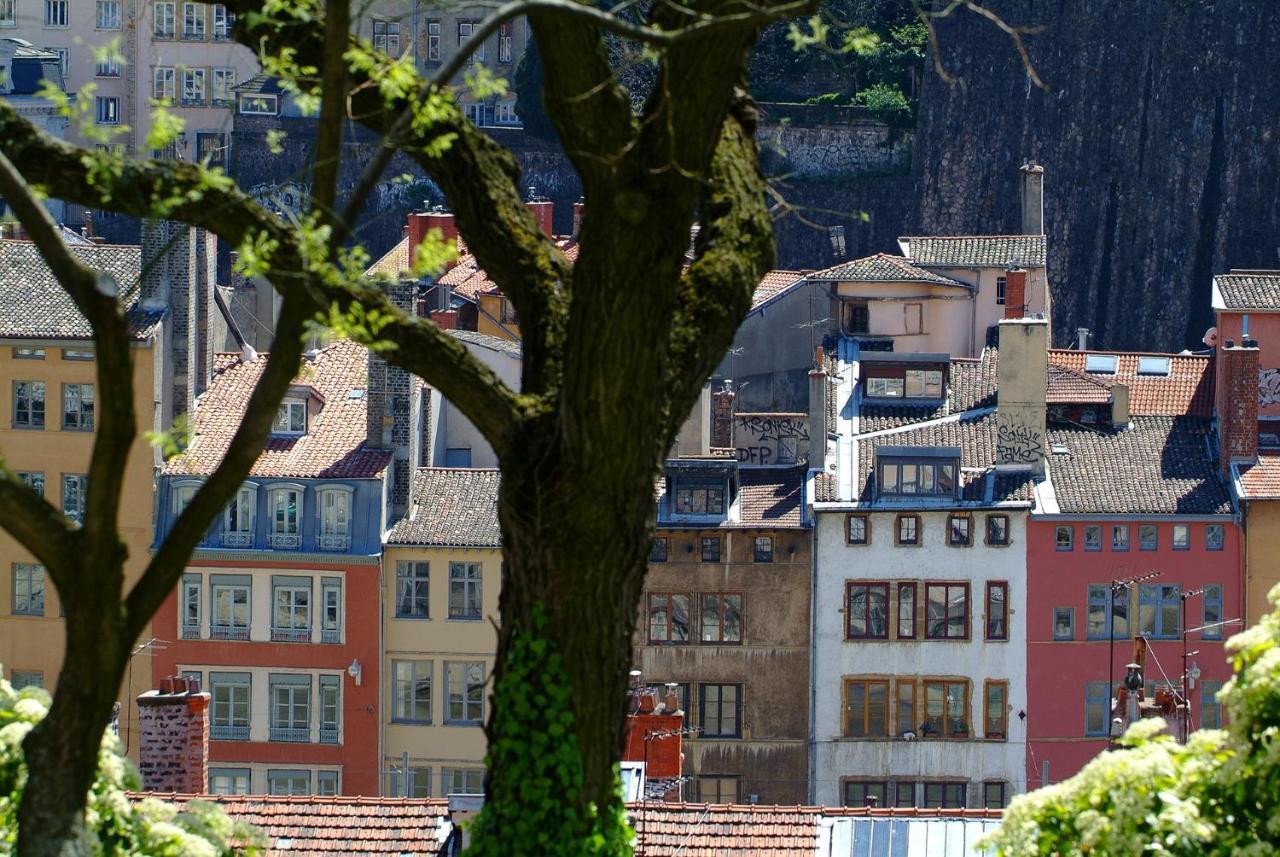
1161, 141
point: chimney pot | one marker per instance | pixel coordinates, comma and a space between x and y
166, 685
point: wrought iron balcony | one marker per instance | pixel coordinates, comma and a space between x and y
190, 632
228, 632
229, 733
290, 735
328, 736
291, 635
284, 541
236, 540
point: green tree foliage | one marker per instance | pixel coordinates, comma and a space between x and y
886, 102
1217, 794
114, 824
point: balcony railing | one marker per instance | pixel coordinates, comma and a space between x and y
328, 736
331, 636
236, 540
228, 632
284, 541
229, 733
290, 735
291, 635
190, 632
333, 543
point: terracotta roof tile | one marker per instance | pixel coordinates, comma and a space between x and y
34, 306
824, 487
1260, 481
334, 444
1067, 386
452, 507
975, 251
323, 826
1186, 391
1160, 466
883, 268
770, 496
773, 284
1249, 289
690, 830
394, 262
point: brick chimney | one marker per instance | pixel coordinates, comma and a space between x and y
1020, 394
818, 393
660, 731
421, 223
1237, 402
722, 416
542, 211
1015, 292
445, 319
173, 746
1032, 186
578, 208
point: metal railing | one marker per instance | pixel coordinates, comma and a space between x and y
290, 735
333, 542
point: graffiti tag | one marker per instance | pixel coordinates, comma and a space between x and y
1018, 444
1268, 387
773, 428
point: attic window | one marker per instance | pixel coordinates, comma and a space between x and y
356, 394
700, 501
1153, 365
291, 418
1269, 440
901, 477
1060, 449
1100, 364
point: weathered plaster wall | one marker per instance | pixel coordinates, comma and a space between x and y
973, 759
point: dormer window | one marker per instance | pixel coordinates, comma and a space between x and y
237, 520
183, 492
335, 519
918, 472
893, 376
291, 418
285, 506
700, 501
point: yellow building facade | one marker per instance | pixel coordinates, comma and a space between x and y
441, 573
47, 373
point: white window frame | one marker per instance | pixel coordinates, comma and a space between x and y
460, 687
466, 591
433, 41
331, 610
8, 13
181, 494
223, 22
329, 707
469, 777
230, 628
408, 679
79, 485
292, 778
291, 694
387, 41
327, 784
291, 597
190, 607
285, 532
108, 65
243, 508
230, 706
333, 508
506, 34
32, 579
164, 12
259, 104
112, 19
224, 81
229, 781
194, 24
164, 83
290, 413
194, 85
78, 402
55, 13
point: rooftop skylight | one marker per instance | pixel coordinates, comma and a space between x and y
1100, 364
1153, 365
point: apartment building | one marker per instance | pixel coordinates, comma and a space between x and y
1138, 540
442, 571
277, 614
919, 653
126, 55
47, 423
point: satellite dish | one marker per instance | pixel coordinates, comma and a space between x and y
1211, 337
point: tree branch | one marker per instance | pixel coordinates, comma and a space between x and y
166, 566
38, 527
324, 184
214, 203
96, 295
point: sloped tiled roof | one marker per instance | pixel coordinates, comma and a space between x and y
469, 280
496, 343
334, 444
452, 507
323, 826
394, 262
1261, 480
1186, 391
34, 306
883, 268
1067, 386
1249, 289
770, 497
970, 384
976, 438
773, 284
1161, 465
667, 830
974, 251
824, 487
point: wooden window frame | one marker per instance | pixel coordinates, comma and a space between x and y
887, 714
866, 531
663, 555
993, 586
857, 781
1001, 732
670, 624
897, 531
702, 709
945, 785
911, 725
704, 542
848, 612
986, 535
951, 533
914, 614
967, 705
720, 596
986, 794
946, 586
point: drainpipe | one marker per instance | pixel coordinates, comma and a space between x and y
813, 668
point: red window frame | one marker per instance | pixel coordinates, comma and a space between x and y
908, 621
1002, 587
869, 585
946, 601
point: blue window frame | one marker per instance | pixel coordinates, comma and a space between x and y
1160, 610
1212, 601
1096, 704
1101, 621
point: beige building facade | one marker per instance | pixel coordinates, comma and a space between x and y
441, 571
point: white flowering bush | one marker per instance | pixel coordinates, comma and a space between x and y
1217, 794
117, 825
